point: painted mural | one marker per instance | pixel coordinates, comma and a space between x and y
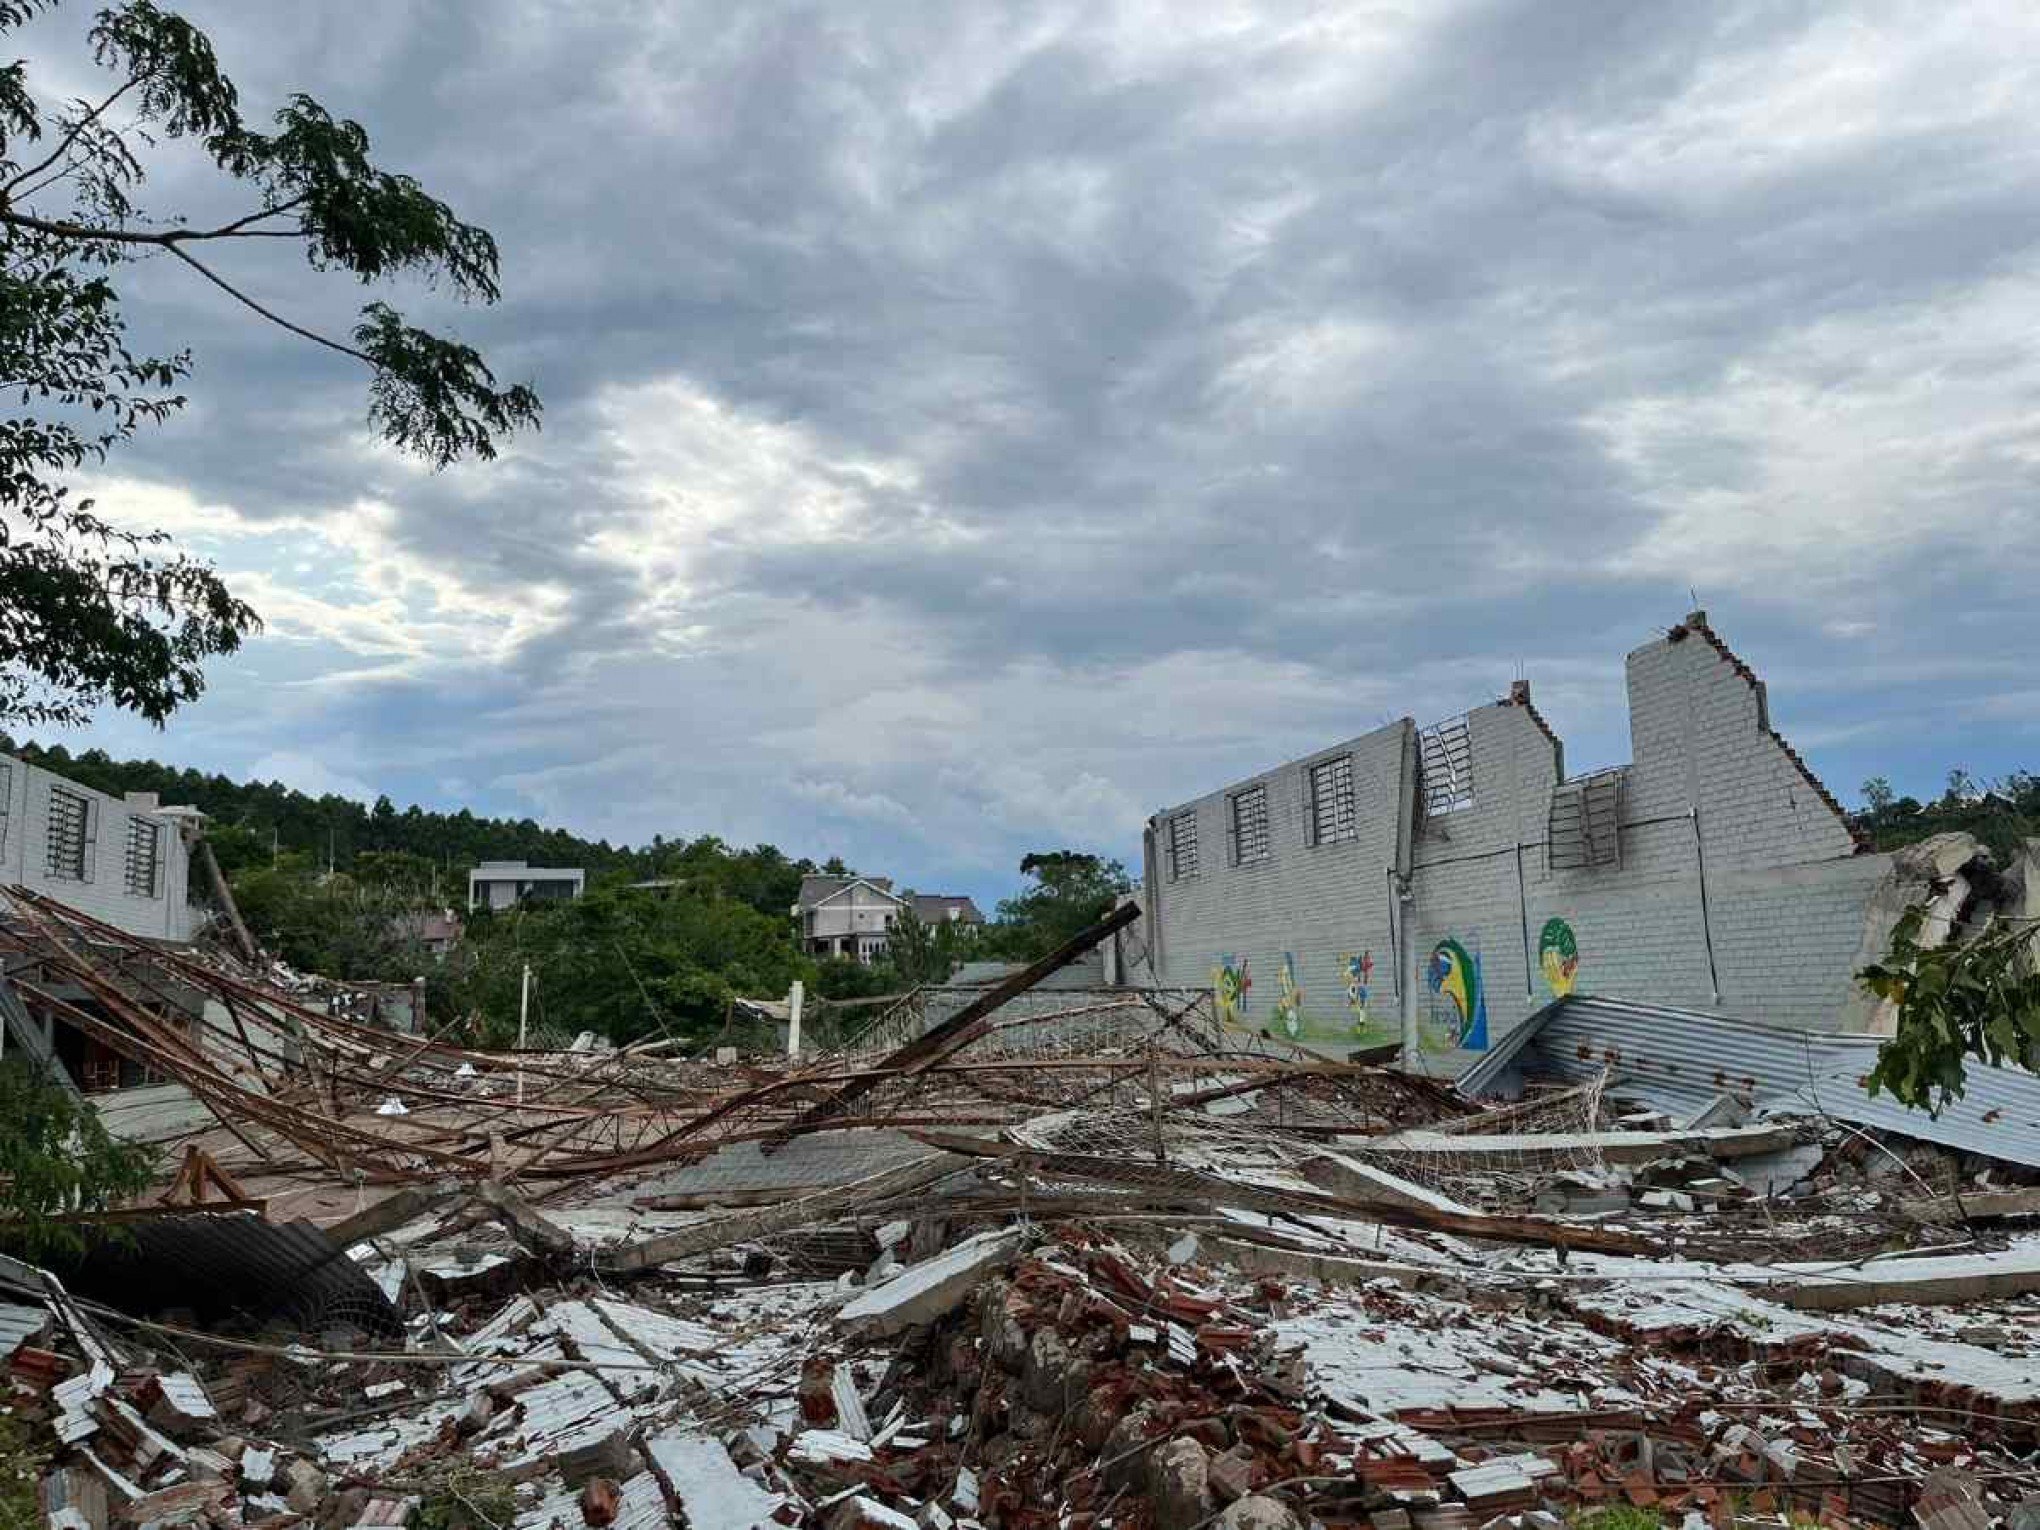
1288, 1015
1288, 999
1558, 957
1230, 983
1458, 1018
1359, 972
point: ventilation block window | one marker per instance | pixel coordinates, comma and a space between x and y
1445, 756
1331, 801
1585, 827
1248, 825
1182, 846
70, 821
144, 858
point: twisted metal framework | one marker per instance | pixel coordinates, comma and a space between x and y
292, 1083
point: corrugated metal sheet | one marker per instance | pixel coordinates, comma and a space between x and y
151, 1112
18, 1324
222, 1263
1682, 1060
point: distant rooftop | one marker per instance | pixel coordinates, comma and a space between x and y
494, 871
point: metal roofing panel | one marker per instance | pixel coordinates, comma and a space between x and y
19, 1324
222, 1262
1682, 1060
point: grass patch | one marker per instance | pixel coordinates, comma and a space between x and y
1621, 1516
21, 1469
464, 1497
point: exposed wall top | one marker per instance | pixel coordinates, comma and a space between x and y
1696, 625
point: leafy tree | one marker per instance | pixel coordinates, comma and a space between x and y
94, 612
338, 926
1072, 891
1970, 998
2003, 813
841, 977
920, 952
626, 963
57, 1158
253, 821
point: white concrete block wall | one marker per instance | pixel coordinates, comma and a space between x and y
1318, 902
102, 893
1787, 894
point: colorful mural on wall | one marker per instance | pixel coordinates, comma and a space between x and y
1558, 957
1288, 1017
1289, 999
1359, 972
1230, 983
1458, 999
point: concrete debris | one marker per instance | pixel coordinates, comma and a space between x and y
919, 1295
1055, 1259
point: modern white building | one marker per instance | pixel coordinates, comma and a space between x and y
499, 885
124, 860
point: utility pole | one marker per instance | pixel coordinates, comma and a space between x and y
523, 1015
1408, 977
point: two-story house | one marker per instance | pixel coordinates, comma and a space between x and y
853, 916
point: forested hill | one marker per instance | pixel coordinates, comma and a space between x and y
254, 819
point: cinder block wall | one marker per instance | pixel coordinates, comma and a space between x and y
1319, 903
102, 893
1709, 780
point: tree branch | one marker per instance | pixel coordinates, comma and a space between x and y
165, 238
274, 318
226, 229
63, 147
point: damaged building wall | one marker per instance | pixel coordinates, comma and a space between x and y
121, 860
1294, 913
1711, 870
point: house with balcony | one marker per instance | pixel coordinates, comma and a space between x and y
852, 917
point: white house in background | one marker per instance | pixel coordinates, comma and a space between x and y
498, 885
126, 861
852, 916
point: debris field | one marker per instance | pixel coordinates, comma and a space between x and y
1060, 1260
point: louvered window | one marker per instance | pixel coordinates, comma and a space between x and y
1247, 825
144, 857
1585, 828
70, 826
1446, 761
1331, 801
1182, 846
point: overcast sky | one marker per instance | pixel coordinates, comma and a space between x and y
971, 427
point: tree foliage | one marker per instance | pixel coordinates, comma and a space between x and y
921, 952
1974, 998
1072, 891
94, 612
57, 1158
255, 822
361, 927
2003, 814
625, 963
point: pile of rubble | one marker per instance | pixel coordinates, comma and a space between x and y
1081, 1262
